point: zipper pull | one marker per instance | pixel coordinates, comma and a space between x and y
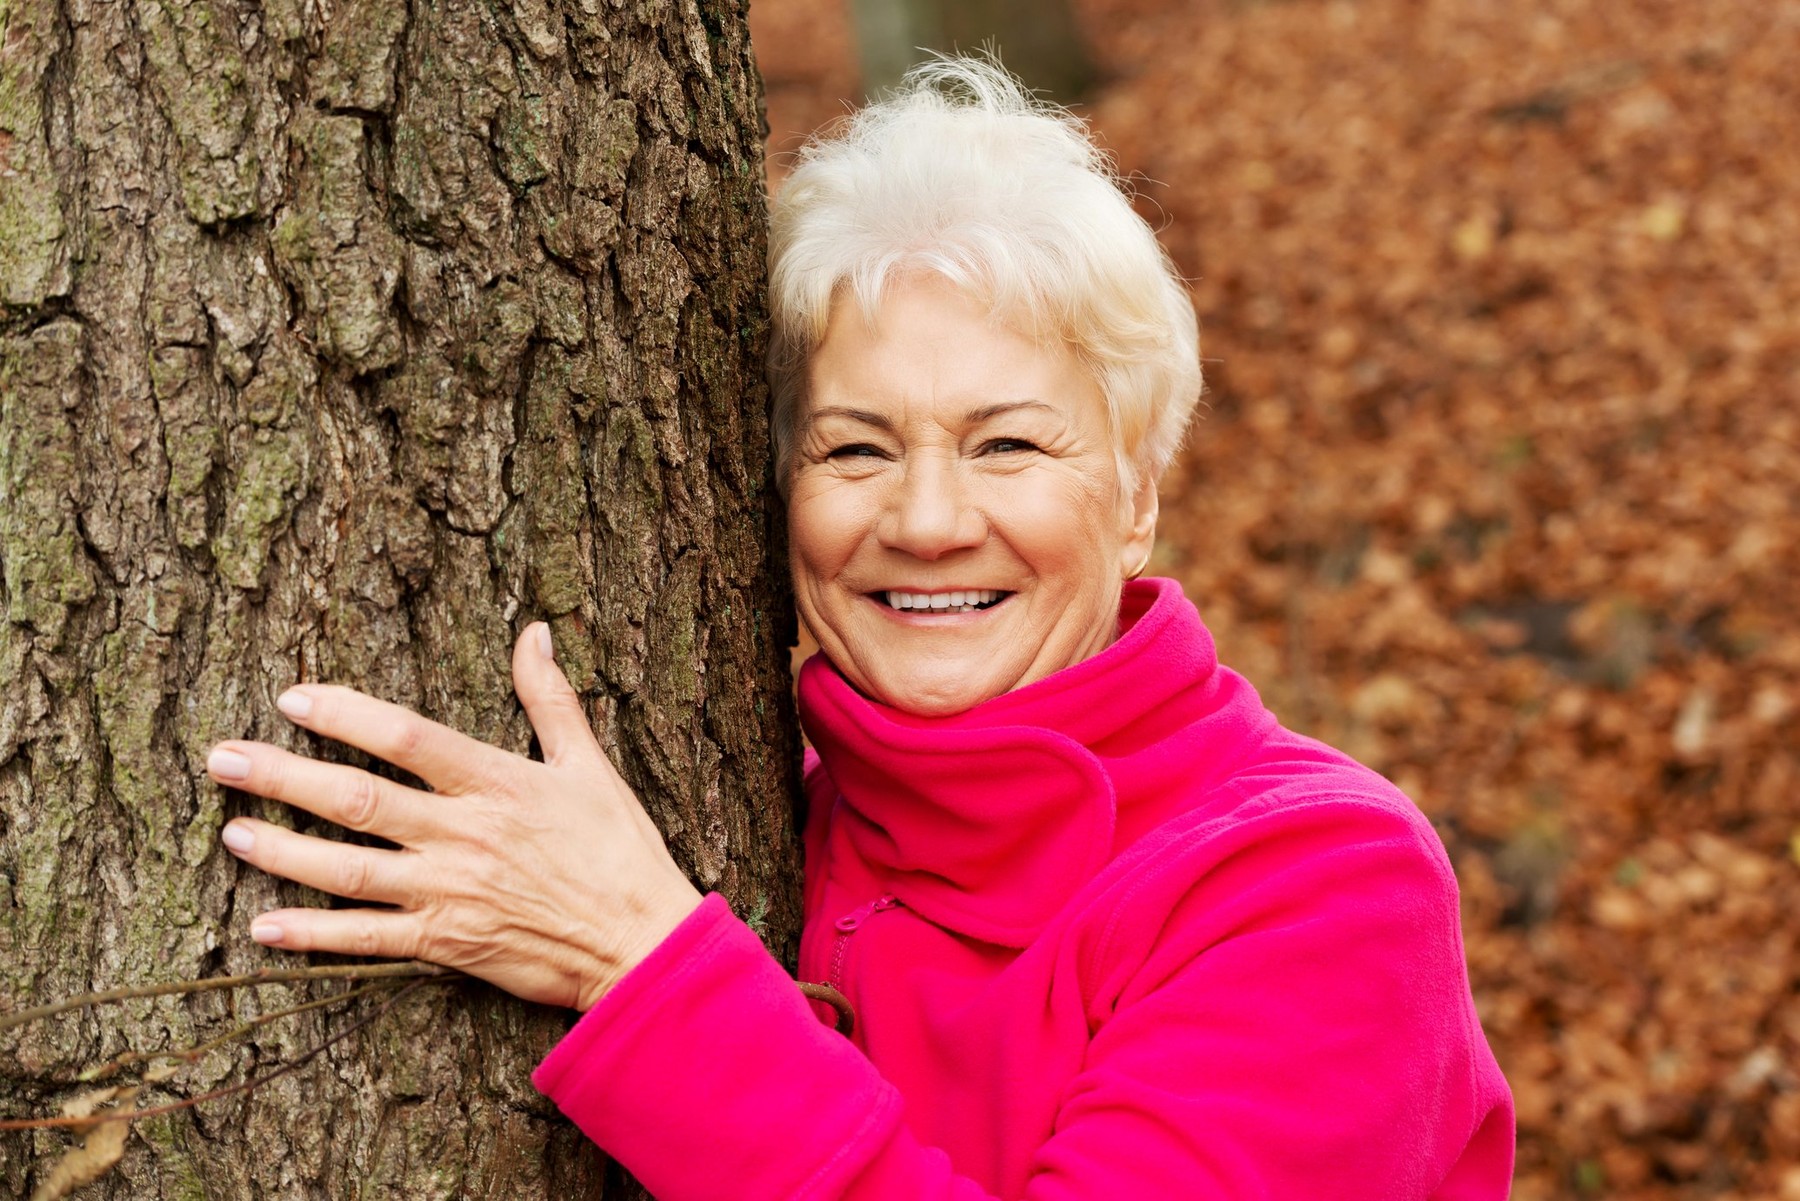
856, 917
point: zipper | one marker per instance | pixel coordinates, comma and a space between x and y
847, 927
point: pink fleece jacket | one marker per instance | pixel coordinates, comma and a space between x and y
1116, 934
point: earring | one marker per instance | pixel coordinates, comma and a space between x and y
1141, 568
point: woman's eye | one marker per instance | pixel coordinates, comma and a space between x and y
855, 450
1007, 446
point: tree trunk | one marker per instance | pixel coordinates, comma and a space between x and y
338, 341
1038, 40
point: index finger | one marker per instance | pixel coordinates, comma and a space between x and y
449, 761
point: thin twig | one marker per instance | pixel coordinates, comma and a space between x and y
242, 1085
112, 996
193, 1054
846, 1016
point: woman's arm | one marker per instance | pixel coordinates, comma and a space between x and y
1278, 1039
701, 1068
546, 879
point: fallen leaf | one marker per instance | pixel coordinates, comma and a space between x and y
99, 1151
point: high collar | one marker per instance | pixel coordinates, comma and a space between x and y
987, 821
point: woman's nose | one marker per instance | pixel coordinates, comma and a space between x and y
930, 512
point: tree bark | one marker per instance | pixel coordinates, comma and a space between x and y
338, 340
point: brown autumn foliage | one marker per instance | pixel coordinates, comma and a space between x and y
1499, 489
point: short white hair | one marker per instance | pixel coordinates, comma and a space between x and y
964, 174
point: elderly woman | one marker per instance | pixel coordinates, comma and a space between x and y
1107, 929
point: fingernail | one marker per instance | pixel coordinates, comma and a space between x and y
237, 839
228, 765
265, 932
544, 643
295, 704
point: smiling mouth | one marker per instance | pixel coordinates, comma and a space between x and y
970, 600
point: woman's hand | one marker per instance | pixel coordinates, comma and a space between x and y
546, 879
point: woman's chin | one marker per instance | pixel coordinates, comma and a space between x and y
934, 696
936, 706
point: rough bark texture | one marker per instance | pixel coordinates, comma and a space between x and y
338, 340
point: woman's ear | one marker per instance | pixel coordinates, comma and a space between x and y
1140, 533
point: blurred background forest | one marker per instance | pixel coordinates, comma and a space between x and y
1497, 485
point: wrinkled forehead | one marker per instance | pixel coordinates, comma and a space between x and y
865, 295
883, 336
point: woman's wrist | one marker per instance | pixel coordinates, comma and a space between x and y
660, 917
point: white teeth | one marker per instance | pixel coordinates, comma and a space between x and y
963, 600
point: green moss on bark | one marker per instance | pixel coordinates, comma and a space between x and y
337, 250
193, 48
45, 569
356, 68
270, 481
33, 254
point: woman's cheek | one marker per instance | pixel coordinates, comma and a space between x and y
825, 511
1057, 518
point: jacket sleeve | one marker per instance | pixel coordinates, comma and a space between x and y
707, 1075
1279, 1038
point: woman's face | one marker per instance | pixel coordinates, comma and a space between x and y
958, 526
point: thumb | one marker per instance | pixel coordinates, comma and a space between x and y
551, 704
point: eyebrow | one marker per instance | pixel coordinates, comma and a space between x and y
862, 415
976, 416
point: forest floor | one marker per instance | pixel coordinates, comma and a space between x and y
1498, 487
